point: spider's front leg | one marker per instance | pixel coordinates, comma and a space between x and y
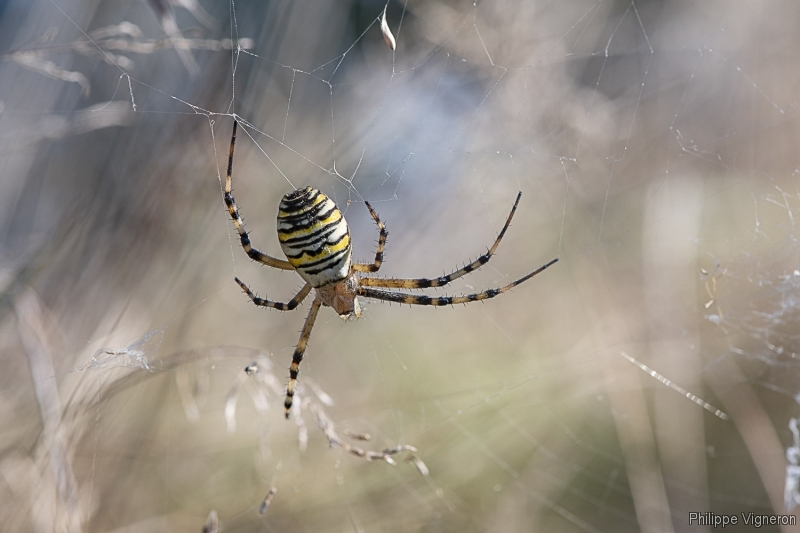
374, 267
261, 302
424, 283
233, 210
299, 350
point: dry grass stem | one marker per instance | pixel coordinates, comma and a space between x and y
261, 371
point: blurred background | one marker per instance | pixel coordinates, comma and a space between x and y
651, 373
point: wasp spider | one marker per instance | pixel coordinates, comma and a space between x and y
315, 239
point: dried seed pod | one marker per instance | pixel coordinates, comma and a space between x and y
387, 33
421, 466
212, 523
265, 503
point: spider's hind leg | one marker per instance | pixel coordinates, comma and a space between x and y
416, 299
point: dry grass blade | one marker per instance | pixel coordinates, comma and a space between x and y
34, 336
35, 63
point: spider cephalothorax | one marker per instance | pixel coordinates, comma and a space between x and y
315, 239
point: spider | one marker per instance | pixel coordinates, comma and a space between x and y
315, 239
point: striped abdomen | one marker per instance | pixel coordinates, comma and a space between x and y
314, 237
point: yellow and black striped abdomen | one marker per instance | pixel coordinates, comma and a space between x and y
314, 237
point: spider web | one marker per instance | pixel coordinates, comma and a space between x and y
650, 374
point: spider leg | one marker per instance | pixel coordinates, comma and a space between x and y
254, 254
414, 299
374, 267
299, 350
424, 283
261, 302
